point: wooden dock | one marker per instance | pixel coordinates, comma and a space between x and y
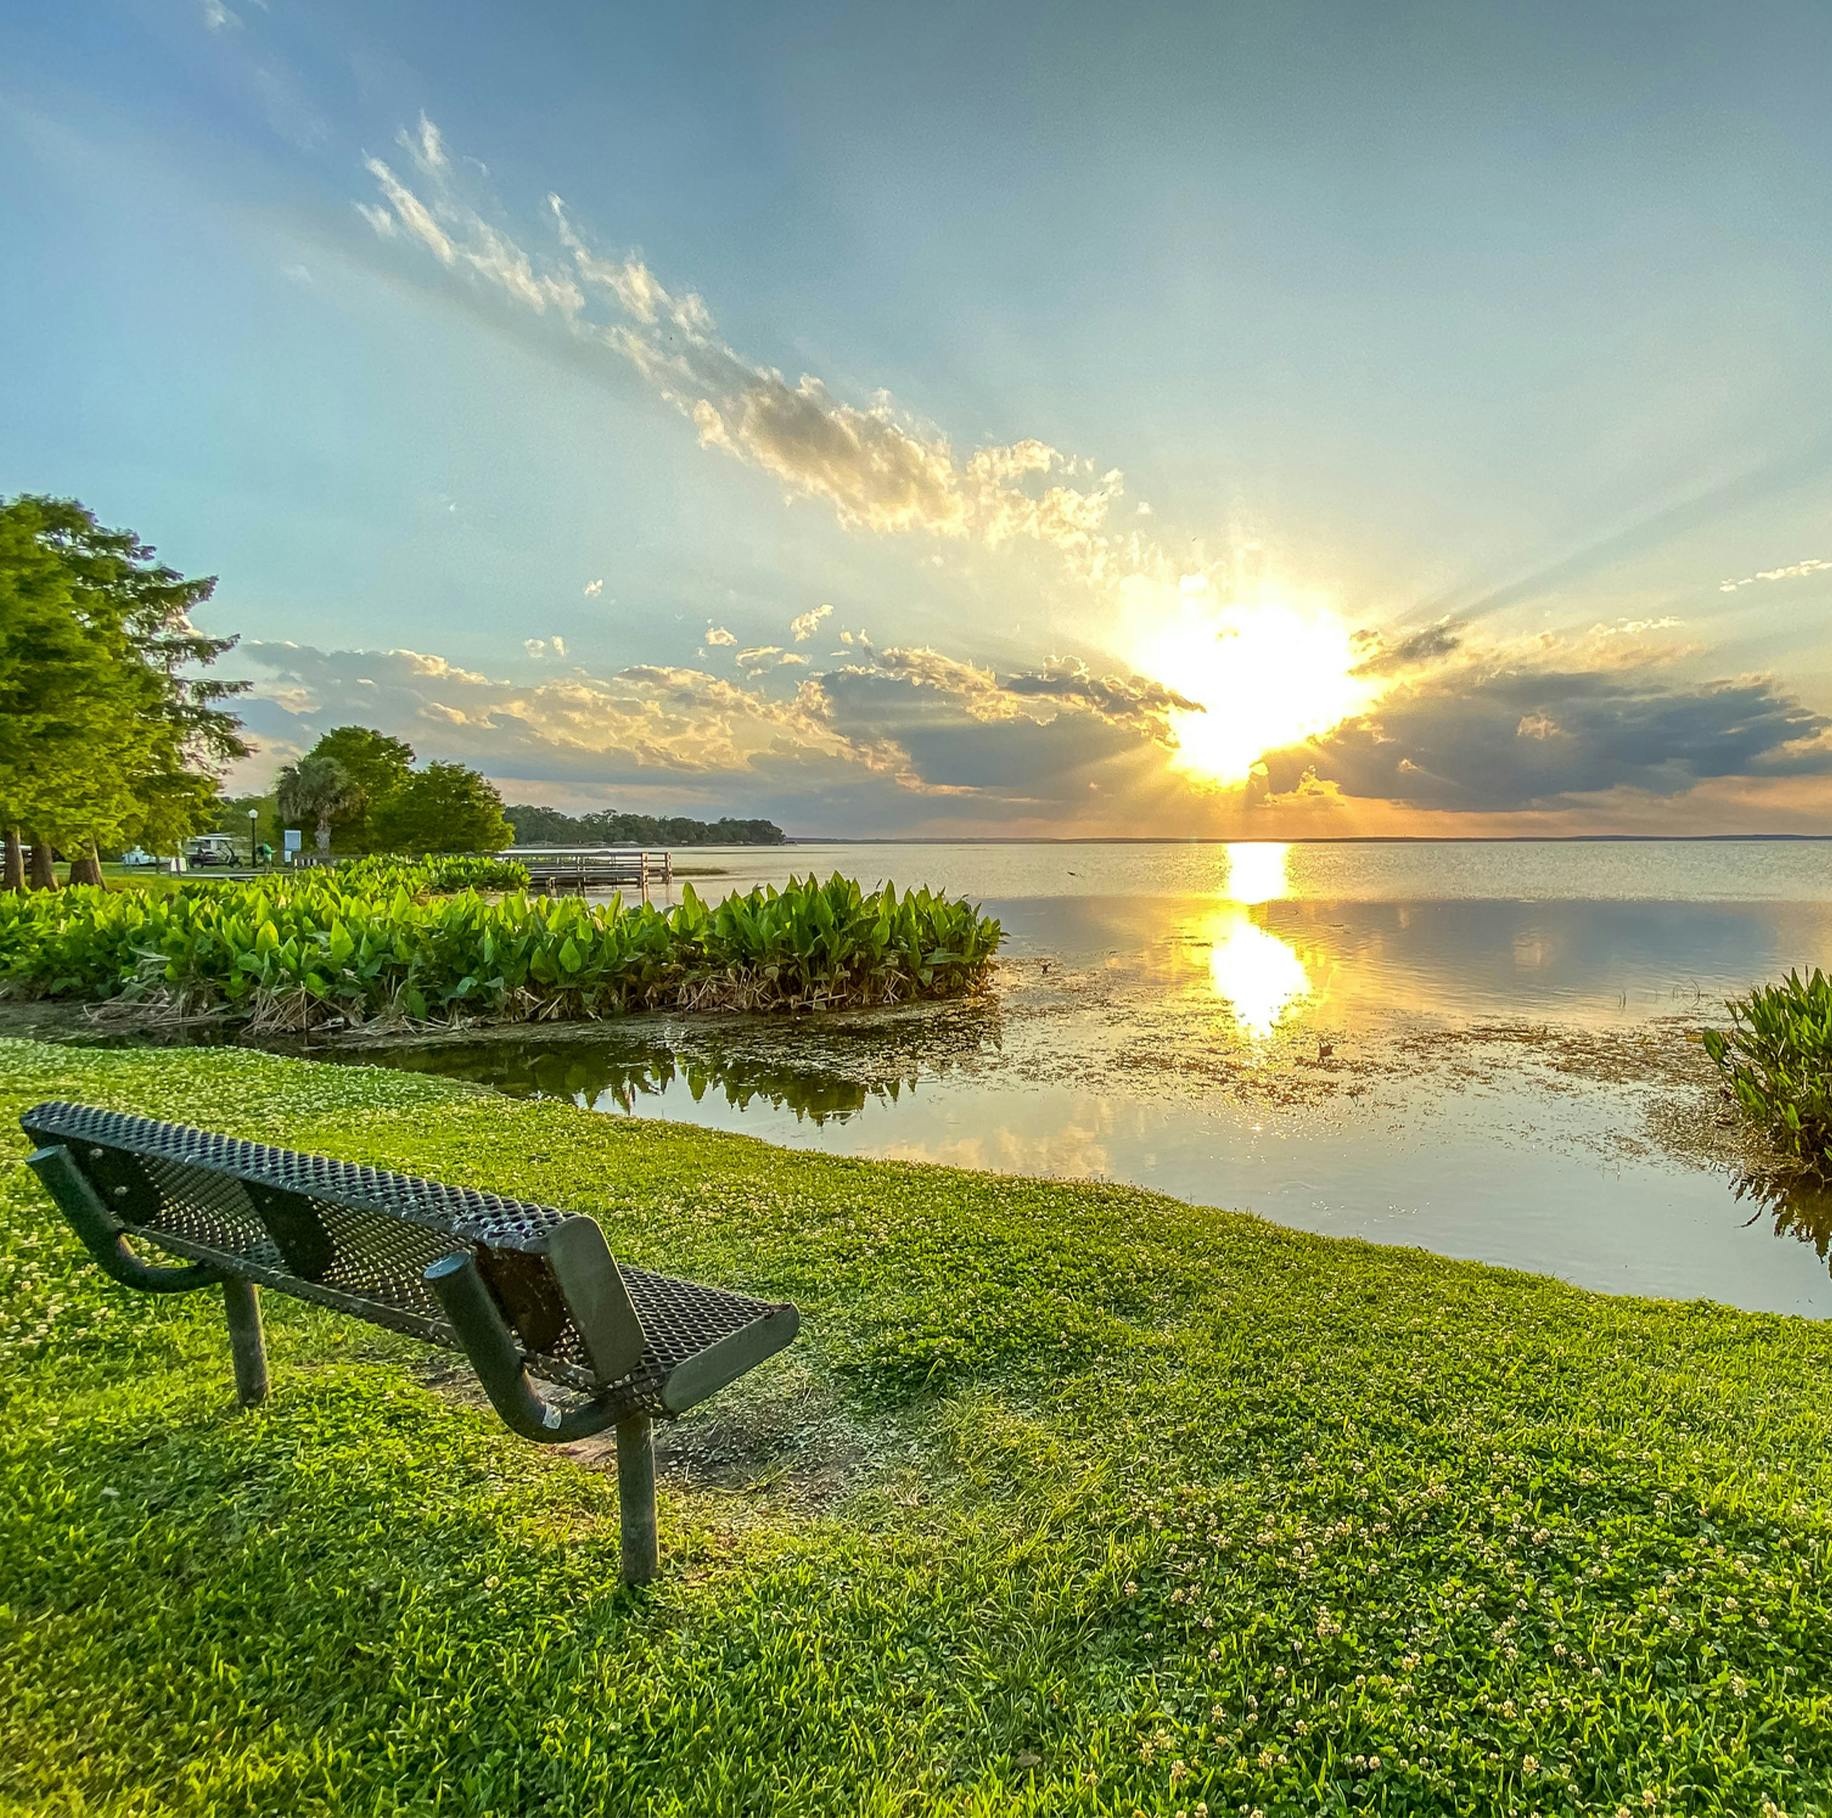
555, 870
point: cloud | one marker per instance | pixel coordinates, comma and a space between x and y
961, 739
1501, 735
1417, 651
1123, 700
456, 234
217, 17
1633, 628
1140, 706
877, 467
876, 735
593, 589
1793, 572
717, 635
806, 624
645, 722
409, 213
758, 658
426, 146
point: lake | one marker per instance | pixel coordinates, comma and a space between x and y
1484, 1049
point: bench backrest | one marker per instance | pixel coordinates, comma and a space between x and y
358, 1239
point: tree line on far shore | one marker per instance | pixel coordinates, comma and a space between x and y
535, 826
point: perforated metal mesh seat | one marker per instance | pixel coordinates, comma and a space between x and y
363, 1239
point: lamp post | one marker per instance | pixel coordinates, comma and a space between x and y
254, 814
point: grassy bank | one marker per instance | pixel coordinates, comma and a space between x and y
1071, 1499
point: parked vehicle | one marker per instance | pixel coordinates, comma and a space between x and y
139, 857
212, 849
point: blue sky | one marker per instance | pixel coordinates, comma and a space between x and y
1219, 420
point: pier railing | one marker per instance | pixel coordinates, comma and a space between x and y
594, 868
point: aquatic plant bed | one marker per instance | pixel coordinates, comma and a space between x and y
361, 944
1072, 1499
1776, 1061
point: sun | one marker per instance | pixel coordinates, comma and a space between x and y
1264, 675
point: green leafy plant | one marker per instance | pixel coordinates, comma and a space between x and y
1776, 1058
438, 873
374, 941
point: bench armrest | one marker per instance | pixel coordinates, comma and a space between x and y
467, 1302
103, 1235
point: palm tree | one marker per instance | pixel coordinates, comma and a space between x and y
315, 789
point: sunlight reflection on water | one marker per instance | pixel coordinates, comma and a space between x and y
1256, 871
1258, 975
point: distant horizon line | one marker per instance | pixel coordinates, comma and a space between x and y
1318, 839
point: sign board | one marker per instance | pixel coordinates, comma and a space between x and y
294, 840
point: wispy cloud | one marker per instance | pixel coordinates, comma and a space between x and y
426, 146
410, 213
1794, 571
592, 589
873, 464
759, 658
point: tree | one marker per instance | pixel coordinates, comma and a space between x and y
377, 766
229, 814
444, 808
108, 732
316, 789
72, 730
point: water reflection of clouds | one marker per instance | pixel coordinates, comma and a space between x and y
1070, 1137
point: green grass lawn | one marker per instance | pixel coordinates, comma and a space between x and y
142, 877
1070, 1499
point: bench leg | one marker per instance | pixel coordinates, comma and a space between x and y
245, 1342
636, 1499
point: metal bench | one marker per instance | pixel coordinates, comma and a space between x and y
523, 1290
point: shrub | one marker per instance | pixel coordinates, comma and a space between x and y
1776, 1059
312, 948
440, 872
